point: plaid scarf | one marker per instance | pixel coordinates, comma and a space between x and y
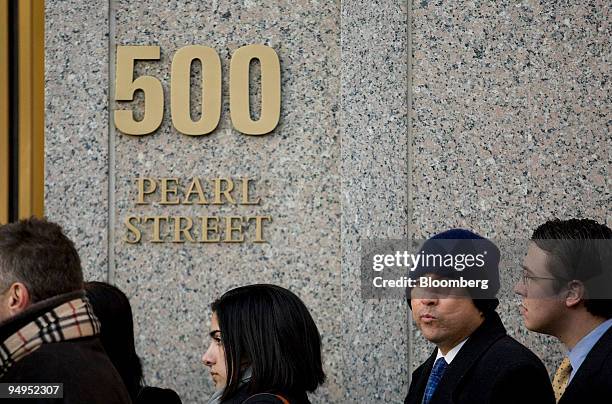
70, 320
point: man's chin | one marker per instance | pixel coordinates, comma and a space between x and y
432, 337
532, 326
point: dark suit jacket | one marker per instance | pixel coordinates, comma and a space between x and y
491, 368
592, 383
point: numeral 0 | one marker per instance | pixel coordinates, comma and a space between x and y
126, 86
211, 85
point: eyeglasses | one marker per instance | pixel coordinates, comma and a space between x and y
525, 278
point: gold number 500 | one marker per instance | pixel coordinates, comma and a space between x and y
240, 108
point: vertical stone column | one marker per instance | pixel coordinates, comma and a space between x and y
76, 126
375, 172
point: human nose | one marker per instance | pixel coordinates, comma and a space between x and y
429, 301
520, 288
209, 358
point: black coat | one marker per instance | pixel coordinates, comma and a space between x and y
491, 368
244, 396
80, 364
592, 383
156, 395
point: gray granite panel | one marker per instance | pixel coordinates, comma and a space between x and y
374, 192
511, 120
172, 285
76, 126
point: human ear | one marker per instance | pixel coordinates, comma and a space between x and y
18, 298
575, 293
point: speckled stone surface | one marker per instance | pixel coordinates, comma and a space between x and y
374, 192
297, 172
510, 123
76, 126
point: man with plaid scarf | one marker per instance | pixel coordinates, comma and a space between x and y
48, 332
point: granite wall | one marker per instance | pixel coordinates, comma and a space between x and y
398, 119
375, 203
510, 124
77, 126
296, 171
92, 170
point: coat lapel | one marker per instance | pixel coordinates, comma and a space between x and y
478, 343
589, 368
419, 382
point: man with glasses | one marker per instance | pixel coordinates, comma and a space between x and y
566, 291
474, 361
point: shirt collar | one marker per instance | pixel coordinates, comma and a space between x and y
584, 346
450, 355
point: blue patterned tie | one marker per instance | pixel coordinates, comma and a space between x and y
434, 378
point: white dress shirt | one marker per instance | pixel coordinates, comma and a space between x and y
450, 355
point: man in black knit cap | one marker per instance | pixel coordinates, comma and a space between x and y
453, 304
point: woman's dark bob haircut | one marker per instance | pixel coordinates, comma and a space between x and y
114, 311
269, 329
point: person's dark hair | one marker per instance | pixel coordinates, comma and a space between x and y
579, 249
37, 253
462, 241
269, 329
113, 309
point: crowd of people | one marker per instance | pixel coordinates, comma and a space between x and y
264, 343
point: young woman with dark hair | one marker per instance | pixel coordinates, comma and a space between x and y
112, 307
265, 347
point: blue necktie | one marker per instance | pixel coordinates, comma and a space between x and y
434, 379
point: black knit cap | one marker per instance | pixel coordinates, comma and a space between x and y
457, 242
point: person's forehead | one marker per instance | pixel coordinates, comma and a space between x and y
536, 260
214, 322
